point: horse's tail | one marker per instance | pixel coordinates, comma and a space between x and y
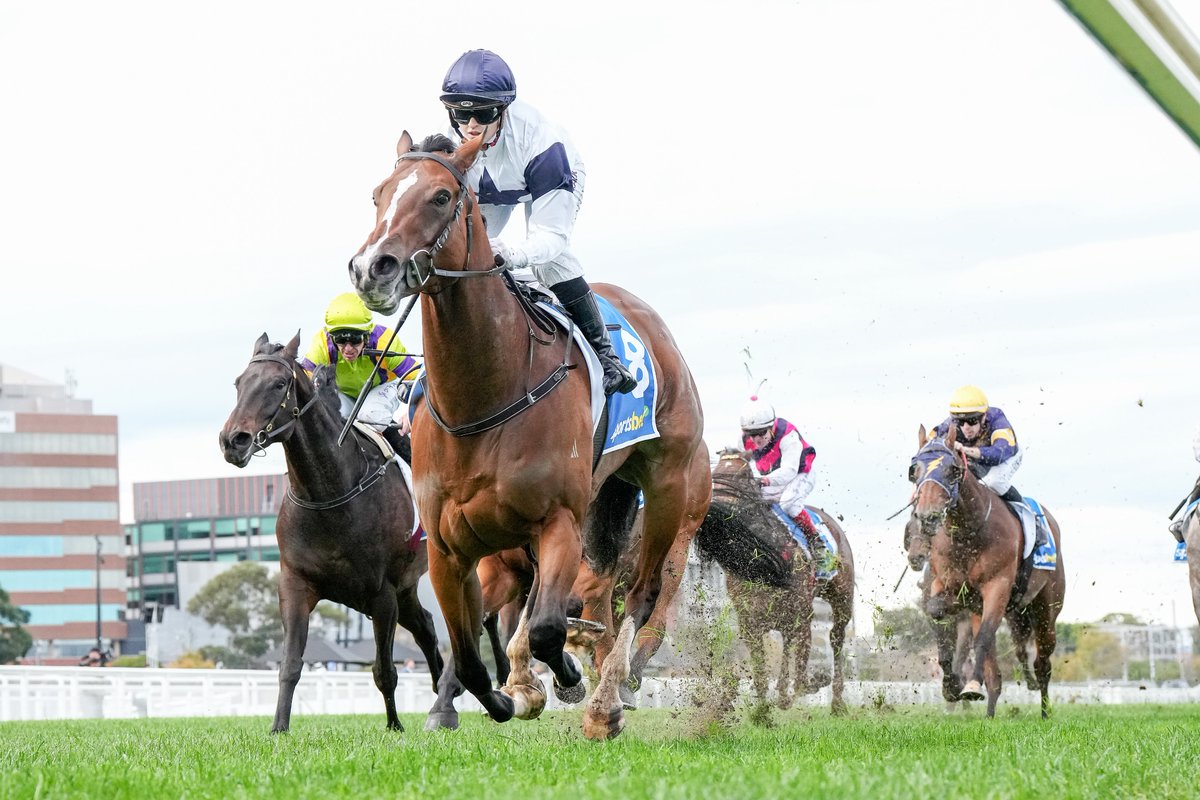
743, 544
607, 528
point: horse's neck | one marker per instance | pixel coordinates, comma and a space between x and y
476, 344
317, 467
973, 512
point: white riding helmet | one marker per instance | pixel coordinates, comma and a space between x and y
757, 415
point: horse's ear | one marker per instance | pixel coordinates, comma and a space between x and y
293, 347
405, 145
259, 345
952, 436
922, 437
465, 155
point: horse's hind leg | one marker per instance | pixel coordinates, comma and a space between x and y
491, 624
296, 602
1020, 626
415, 619
837, 641
1046, 639
383, 620
458, 594
650, 637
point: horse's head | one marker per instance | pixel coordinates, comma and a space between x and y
423, 214
937, 471
266, 400
917, 543
732, 476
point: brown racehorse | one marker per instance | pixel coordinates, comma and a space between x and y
744, 537
345, 527
502, 443
973, 543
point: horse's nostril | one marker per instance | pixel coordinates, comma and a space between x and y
241, 439
384, 266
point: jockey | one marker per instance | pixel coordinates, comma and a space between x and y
527, 160
783, 460
986, 438
1176, 527
343, 342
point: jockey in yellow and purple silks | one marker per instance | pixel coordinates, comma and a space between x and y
783, 460
986, 438
344, 341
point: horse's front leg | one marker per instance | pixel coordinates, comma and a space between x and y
995, 597
559, 553
458, 594
415, 619
296, 602
383, 620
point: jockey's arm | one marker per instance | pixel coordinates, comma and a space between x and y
549, 227
790, 451
1002, 444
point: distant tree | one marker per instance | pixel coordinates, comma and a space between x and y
244, 599
1121, 618
906, 629
15, 641
192, 659
1097, 655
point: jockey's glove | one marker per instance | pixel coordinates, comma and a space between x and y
514, 259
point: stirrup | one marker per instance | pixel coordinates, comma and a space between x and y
617, 379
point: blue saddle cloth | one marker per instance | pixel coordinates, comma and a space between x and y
1045, 556
827, 560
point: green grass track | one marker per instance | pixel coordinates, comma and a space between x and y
1084, 752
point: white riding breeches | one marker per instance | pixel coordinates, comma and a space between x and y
796, 492
1000, 477
379, 409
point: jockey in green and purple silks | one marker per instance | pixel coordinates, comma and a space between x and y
986, 438
343, 342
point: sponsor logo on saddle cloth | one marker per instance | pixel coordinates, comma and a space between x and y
1045, 556
631, 417
827, 561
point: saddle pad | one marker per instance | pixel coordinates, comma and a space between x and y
827, 562
1046, 555
417, 534
1180, 552
631, 417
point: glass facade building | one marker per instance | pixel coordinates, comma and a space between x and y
210, 519
62, 554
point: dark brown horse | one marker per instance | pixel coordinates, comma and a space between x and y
973, 543
502, 443
345, 525
745, 537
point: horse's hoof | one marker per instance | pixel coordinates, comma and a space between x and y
441, 720
972, 691
629, 701
528, 699
599, 727
570, 694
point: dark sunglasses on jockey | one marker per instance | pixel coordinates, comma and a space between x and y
754, 434
348, 337
974, 419
484, 116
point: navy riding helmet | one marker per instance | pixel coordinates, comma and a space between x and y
478, 79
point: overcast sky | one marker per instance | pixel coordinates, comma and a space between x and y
867, 204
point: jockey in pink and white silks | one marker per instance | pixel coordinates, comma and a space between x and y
783, 462
526, 160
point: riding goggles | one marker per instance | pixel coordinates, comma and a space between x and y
974, 419
348, 337
484, 116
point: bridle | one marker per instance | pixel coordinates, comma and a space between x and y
269, 433
465, 204
952, 489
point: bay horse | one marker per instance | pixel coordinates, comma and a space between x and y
1192, 537
345, 524
771, 581
502, 441
973, 544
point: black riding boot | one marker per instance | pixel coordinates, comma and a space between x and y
402, 444
577, 298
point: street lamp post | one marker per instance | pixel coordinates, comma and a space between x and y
99, 643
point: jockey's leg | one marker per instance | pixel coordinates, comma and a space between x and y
577, 298
815, 545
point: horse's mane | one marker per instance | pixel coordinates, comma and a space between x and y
436, 143
325, 384
741, 533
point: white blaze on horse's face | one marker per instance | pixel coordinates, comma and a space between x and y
378, 295
403, 186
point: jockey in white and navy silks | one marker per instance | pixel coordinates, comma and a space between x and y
986, 438
527, 160
783, 461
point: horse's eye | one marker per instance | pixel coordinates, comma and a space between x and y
441, 198
281, 384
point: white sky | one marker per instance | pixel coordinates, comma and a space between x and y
869, 203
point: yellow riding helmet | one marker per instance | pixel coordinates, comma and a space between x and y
968, 400
348, 311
